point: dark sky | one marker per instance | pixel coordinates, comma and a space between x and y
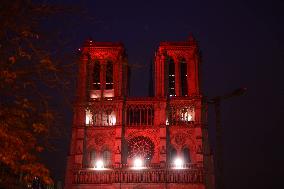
242, 45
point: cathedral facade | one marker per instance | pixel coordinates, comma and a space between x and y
159, 141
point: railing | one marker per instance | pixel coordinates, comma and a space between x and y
191, 166
145, 175
183, 123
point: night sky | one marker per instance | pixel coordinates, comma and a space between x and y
242, 45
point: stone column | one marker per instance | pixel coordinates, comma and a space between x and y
163, 77
157, 76
82, 78
196, 71
103, 76
116, 78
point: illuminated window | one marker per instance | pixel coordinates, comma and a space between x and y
109, 75
186, 114
89, 117
181, 115
104, 118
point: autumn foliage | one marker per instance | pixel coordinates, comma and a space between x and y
27, 73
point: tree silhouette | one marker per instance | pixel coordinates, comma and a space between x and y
28, 72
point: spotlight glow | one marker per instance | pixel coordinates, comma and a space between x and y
88, 117
99, 164
178, 163
113, 120
138, 163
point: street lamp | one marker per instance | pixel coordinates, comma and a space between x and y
216, 101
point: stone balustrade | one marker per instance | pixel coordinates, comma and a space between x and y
144, 175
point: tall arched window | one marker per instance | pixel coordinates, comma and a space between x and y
109, 75
107, 157
183, 77
173, 154
96, 76
186, 155
171, 78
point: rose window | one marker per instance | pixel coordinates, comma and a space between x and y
141, 147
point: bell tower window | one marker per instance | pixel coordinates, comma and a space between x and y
171, 78
96, 76
109, 75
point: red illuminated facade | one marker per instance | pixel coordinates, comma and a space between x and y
150, 142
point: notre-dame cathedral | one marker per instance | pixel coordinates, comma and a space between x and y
154, 142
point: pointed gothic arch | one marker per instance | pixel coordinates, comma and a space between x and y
172, 154
107, 157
